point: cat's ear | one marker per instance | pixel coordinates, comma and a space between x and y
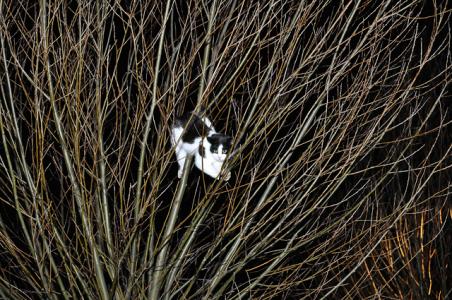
227, 140
212, 139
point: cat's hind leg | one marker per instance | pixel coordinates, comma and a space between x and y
181, 156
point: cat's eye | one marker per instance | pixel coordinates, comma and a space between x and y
225, 151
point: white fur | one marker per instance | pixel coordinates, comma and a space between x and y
182, 149
211, 163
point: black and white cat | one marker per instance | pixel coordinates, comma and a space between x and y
201, 140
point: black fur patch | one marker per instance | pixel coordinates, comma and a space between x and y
194, 129
218, 139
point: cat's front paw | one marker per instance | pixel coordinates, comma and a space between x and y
180, 172
227, 176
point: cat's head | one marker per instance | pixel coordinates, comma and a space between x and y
219, 145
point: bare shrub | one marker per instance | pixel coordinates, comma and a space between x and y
341, 117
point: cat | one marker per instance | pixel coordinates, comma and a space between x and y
201, 140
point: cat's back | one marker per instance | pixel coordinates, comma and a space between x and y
195, 128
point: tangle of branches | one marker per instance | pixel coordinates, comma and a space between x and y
340, 111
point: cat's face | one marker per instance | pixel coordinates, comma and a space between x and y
219, 146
